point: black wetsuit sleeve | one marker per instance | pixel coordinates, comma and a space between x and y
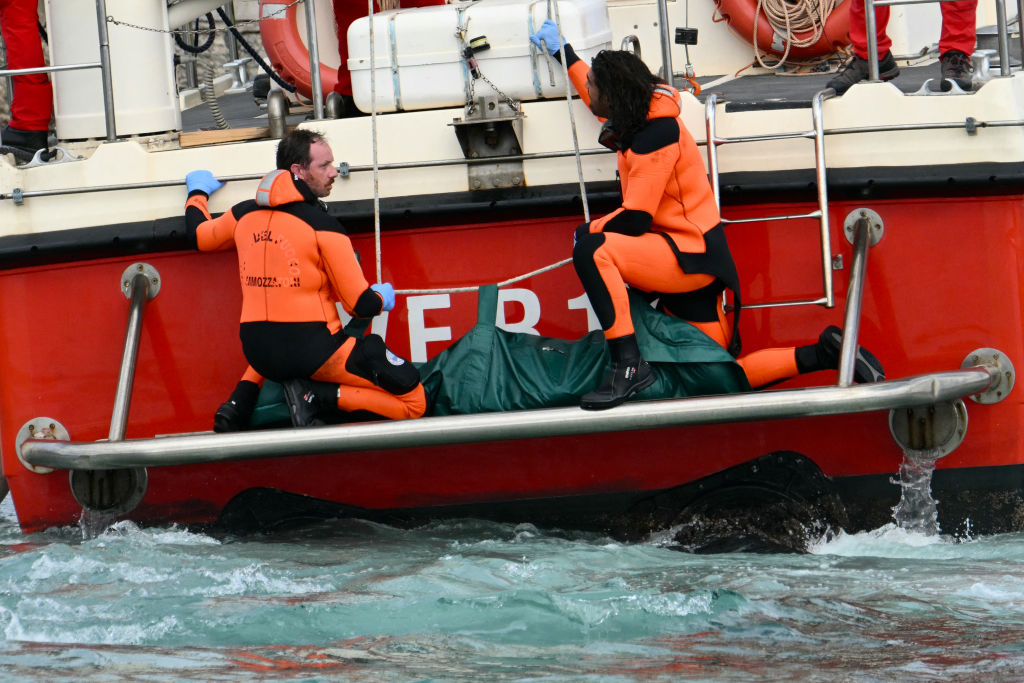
630, 222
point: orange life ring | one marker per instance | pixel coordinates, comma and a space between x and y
287, 51
740, 16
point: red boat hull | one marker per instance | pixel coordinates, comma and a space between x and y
945, 279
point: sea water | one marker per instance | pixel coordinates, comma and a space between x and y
470, 600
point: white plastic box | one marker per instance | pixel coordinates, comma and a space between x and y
418, 54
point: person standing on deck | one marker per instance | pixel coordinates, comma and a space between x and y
956, 44
666, 238
32, 99
295, 264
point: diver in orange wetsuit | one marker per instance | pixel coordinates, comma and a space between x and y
666, 238
295, 263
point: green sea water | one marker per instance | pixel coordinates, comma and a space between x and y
477, 601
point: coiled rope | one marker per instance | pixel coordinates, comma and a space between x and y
790, 18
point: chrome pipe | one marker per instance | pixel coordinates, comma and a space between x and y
812, 214
314, 60
352, 169
49, 69
1020, 29
666, 42
1002, 34
869, 24
105, 77
854, 296
712, 142
190, 449
820, 301
818, 117
139, 289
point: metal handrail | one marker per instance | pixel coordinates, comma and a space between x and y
817, 134
854, 297
189, 449
1001, 31
138, 289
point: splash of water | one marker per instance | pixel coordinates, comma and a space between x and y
917, 511
95, 522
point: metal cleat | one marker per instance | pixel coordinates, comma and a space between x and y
240, 81
53, 155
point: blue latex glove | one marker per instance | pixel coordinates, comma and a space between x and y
202, 181
549, 34
387, 293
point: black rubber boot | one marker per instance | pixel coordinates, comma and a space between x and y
235, 413
825, 356
307, 399
28, 141
629, 375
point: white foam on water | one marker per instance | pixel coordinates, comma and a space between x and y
887, 541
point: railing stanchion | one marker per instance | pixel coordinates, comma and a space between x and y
314, 60
854, 297
140, 282
105, 77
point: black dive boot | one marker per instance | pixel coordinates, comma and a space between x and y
307, 399
825, 356
630, 374
235, 413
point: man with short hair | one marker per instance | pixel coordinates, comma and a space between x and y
295, 264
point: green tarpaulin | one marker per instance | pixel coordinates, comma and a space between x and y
490, 369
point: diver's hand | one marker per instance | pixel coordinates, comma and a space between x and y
387, 294
204, 181
548, 34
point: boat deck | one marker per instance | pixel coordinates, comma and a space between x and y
757, 90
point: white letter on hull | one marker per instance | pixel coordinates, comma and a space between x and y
419, 333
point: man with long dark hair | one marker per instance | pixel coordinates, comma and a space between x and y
666, 238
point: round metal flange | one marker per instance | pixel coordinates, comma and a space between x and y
39, 428
129, 275
875, 225
113, 492
931, 431
1001, 368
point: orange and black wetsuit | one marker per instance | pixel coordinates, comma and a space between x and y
666, 238
295, 262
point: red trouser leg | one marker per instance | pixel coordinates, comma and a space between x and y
858, 34
959, 26
357, 393
32, 100
607, 262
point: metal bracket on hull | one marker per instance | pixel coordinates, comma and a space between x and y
39, 428
491, 128
1003, 374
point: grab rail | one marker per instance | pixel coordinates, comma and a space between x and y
103, 65
190, 449
817, 134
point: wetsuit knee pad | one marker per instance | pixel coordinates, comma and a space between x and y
699, 306
372, 360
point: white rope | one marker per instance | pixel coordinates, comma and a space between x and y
373, 135
473, 288
788, 19
572, 114
376, 200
